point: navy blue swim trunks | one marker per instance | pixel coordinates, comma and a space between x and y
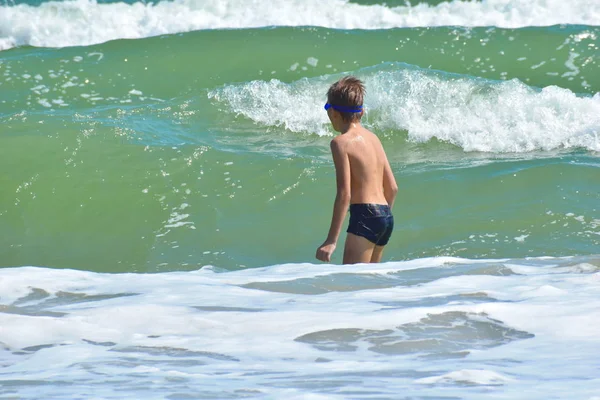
374, 222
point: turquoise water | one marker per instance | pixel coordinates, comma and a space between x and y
166, 180
173, 158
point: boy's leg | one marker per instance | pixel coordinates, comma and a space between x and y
377, 254
358, 249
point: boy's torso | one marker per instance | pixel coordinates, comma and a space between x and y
367, 162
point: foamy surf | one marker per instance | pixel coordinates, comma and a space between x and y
421, 327
84, 22
473, 114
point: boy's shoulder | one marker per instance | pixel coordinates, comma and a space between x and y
339, 144
338, 141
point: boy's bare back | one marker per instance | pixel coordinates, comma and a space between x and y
367, 161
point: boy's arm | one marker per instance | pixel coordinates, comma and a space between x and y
342, 201
390, 187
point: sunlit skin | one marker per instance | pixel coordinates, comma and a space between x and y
363, 175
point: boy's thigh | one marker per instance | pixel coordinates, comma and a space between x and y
357, 249
377, 254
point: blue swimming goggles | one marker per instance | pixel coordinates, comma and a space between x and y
344, 108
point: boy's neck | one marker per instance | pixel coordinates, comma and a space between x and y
348, 126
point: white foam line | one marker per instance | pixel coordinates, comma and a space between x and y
474, 114
84, 22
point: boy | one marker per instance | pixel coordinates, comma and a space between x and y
365, 181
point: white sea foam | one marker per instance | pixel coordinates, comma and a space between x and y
474, 114
473, 377
274, 103
484, 116
308, 330
84, 22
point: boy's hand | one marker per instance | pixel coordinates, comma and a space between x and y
325, 251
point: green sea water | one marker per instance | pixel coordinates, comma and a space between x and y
212, 147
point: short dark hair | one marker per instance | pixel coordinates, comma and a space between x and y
347, 92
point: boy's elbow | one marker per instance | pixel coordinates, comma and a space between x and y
343, 195
392, 188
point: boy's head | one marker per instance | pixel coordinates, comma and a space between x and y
346, 97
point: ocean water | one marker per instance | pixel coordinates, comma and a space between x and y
165, 180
